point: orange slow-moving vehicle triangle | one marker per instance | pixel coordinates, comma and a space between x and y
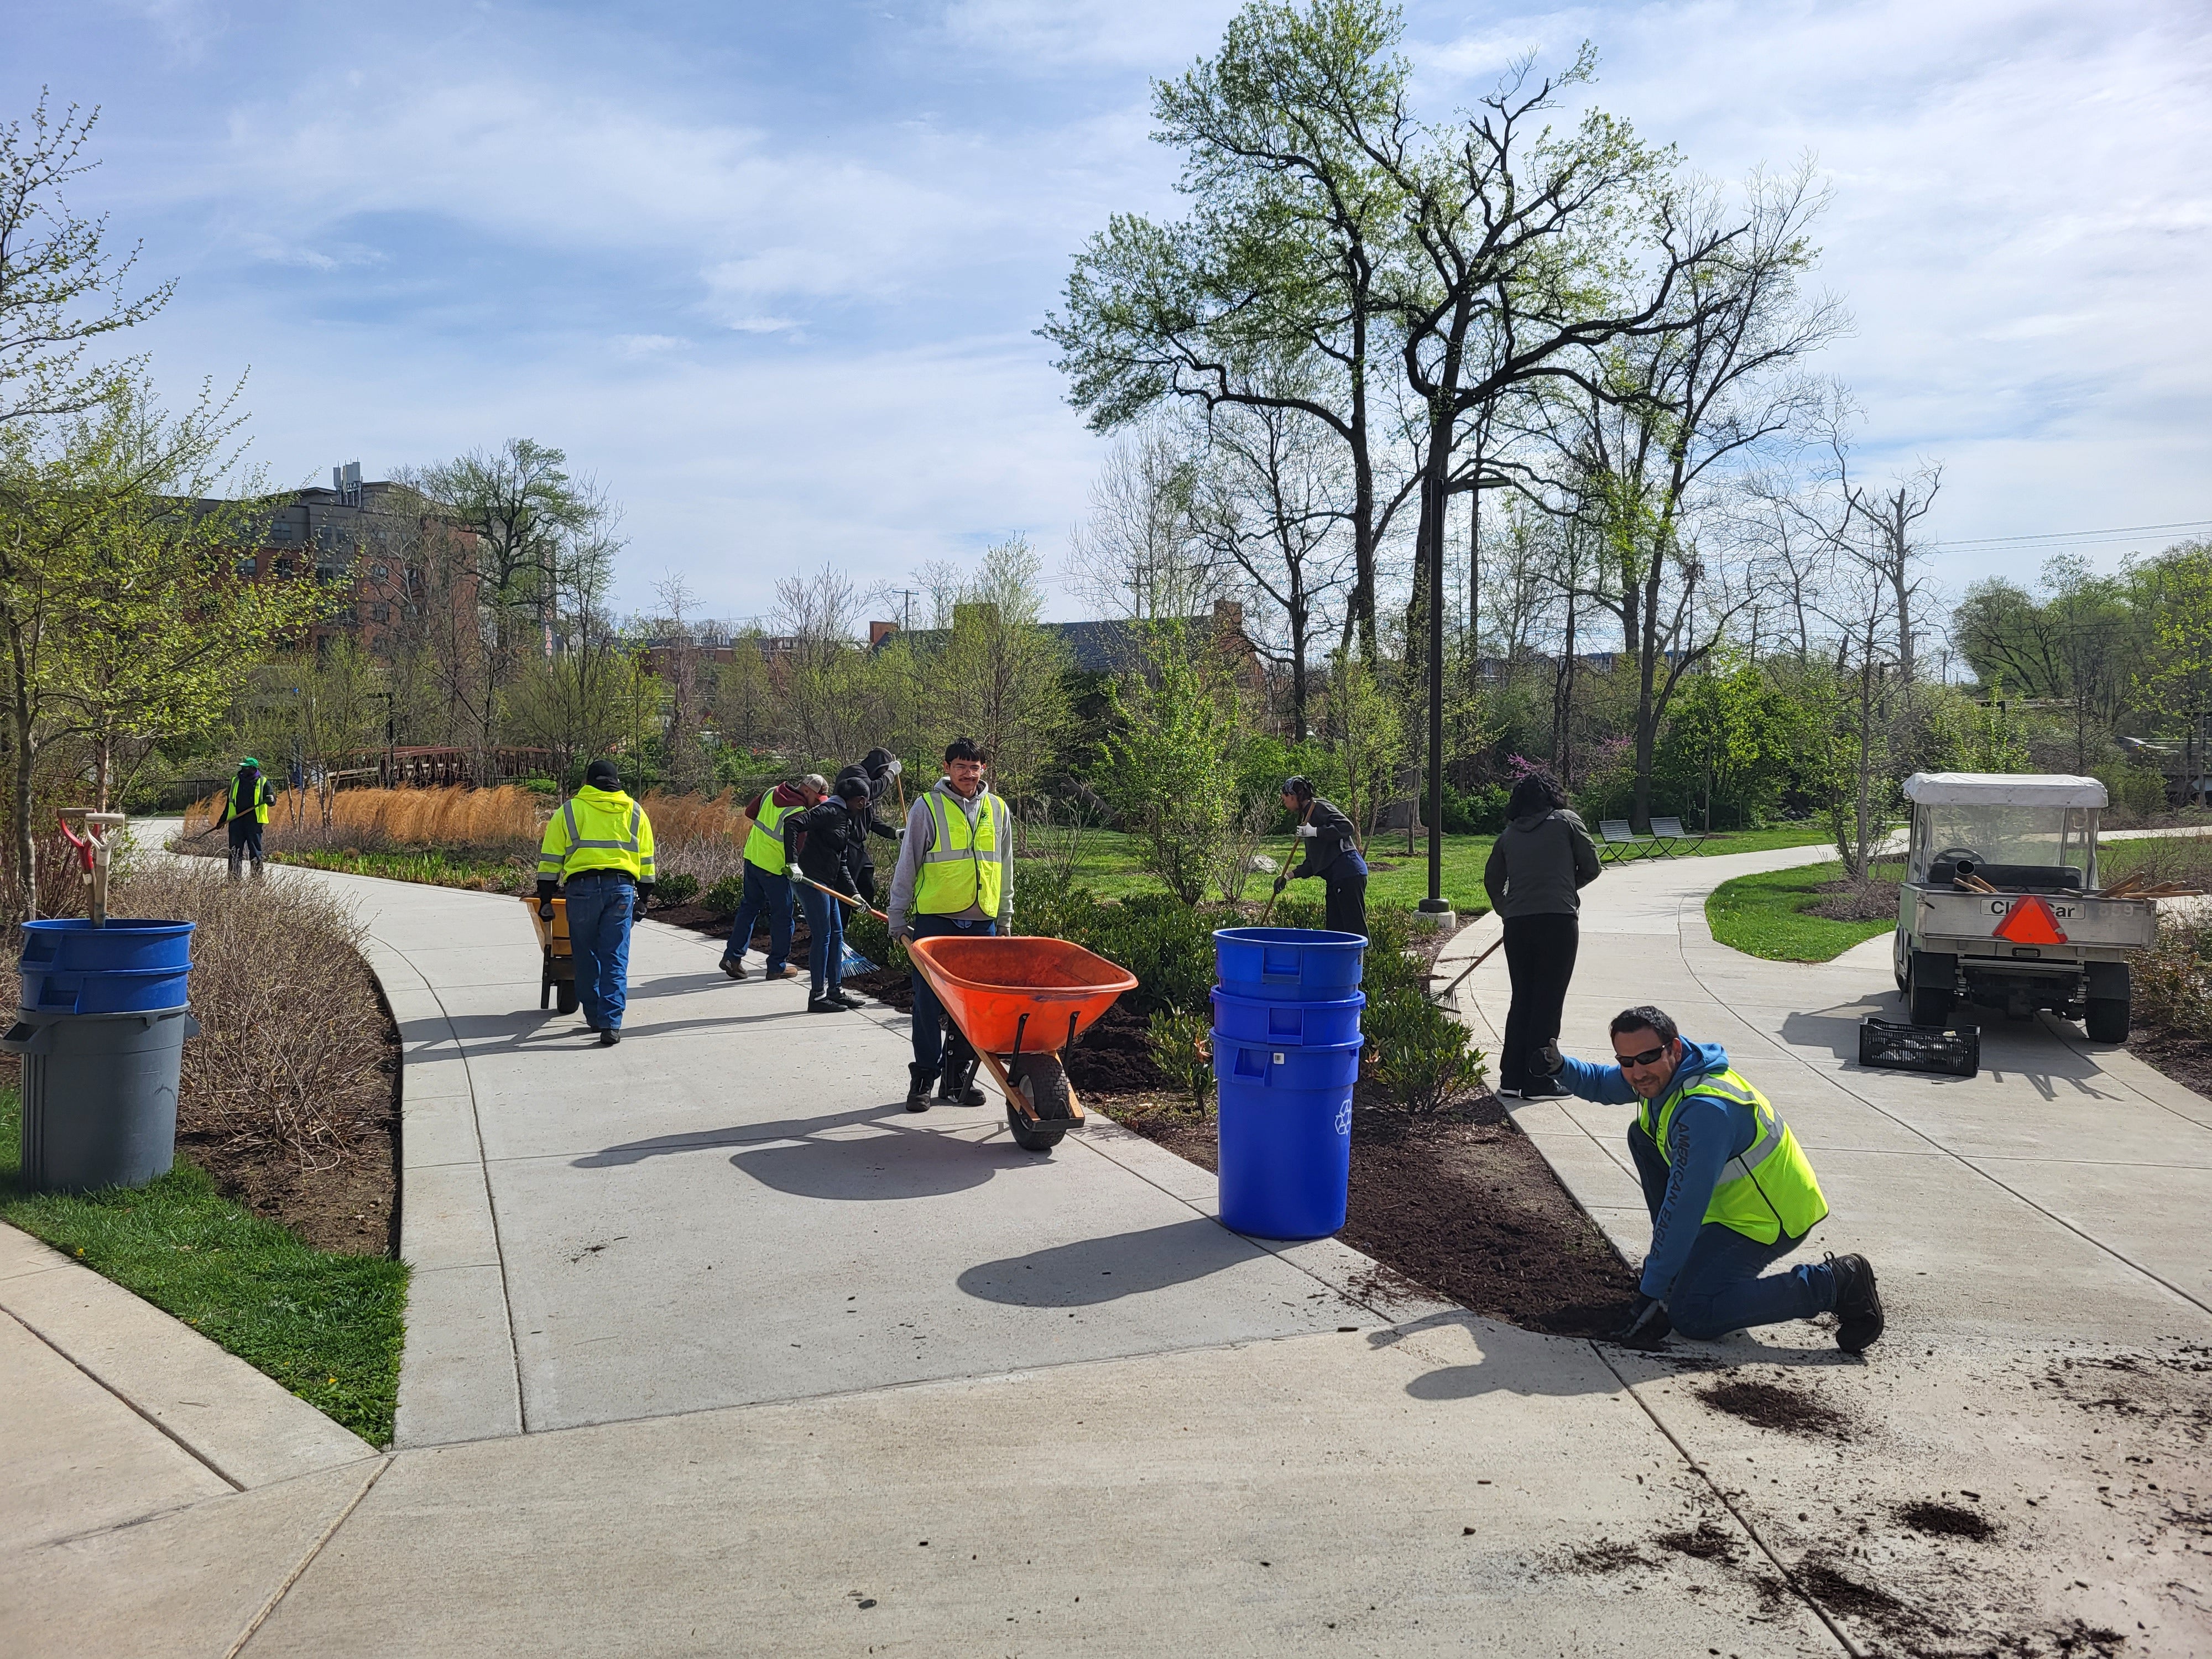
2030, 922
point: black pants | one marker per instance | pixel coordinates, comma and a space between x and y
244, 843
1539, 956
1344, 905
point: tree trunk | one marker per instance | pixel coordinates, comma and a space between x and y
1361, 617
27, 868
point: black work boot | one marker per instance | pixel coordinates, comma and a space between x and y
1858, 1304
959, 1083
919, 1078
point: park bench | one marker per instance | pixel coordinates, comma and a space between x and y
1617, 841
1670, 831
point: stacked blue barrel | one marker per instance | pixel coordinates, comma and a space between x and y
1286, 1056
101, 1034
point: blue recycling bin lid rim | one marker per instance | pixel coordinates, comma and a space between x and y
72, 924
1357, 1000
1319, 939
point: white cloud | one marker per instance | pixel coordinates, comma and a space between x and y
650, 345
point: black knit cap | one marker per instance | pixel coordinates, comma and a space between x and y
601, 775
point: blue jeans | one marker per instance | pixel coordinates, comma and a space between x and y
825, 951
1720, 1288
599, 935
928, 1013
765, 895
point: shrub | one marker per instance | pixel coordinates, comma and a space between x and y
1175, 1038
678, 888
1421, 1055
872, 939
290, 1059
1168, 945
2171, 985
724, 897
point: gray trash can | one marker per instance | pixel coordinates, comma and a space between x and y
99, 1096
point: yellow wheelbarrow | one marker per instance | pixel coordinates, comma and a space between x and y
557, 983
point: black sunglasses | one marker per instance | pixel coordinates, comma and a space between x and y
1649, 1057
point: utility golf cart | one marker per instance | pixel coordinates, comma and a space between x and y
1999, 904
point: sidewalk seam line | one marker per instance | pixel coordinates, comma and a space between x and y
168, 1433
253, 1626
1741, 1519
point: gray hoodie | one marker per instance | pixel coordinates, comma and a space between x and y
920, 838
1539, 865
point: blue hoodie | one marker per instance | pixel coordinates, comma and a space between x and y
1705, 1133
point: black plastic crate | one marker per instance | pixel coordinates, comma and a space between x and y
1955, 1052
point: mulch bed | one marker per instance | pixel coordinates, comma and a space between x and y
1460, 1205
350, 1204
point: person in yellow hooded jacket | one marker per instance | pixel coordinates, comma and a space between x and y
598, 850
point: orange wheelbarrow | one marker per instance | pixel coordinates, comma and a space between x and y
557, 982
1021, 1003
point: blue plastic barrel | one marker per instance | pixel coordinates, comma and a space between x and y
1303, 1024
1288, 964
74, 945
128, 966
1285, 1130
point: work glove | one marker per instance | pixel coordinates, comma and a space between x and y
644, 901
1647, 1325
1547, 1061
1281, 882
545, 900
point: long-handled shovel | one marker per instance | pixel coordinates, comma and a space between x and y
845, 899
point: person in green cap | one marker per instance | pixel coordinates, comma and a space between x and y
246, 810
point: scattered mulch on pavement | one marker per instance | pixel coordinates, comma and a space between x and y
1945, 1521
1770, 1405
1838, 1592
1461, 1205
1706, 1543
1608, 1555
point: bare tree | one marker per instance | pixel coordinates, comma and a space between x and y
1891, 546
1273, 504
1140, 555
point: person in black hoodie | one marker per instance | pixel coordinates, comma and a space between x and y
819, 844
1332, 853
1537, 870
876, 768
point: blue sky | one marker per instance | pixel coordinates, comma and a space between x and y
771, 272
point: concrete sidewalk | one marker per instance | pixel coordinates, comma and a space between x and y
714, 1348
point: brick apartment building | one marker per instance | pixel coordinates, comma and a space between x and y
376, 530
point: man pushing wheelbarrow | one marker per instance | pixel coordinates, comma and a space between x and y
954, 877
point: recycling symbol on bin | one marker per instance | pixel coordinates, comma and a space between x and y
1344, 1119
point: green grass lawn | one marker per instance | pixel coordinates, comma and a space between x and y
328, 1326
1761, 915
432, 865
1110, 865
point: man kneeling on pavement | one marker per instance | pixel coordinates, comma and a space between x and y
1729, 1190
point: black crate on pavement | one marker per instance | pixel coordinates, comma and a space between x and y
1953, 1053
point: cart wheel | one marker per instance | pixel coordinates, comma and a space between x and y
2108, 1019
1043, 1084
565, 995
545, 992
1029, 1140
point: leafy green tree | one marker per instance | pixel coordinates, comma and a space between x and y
123, 617
1277, 268
997, 676
1168, 770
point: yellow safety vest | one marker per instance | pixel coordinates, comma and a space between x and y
764, 846
264, 792
961, 869
597, 830
1772, 1188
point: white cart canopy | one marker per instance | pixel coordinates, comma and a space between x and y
2003, 789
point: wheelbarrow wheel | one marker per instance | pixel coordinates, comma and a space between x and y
1043, 1084
565, 995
